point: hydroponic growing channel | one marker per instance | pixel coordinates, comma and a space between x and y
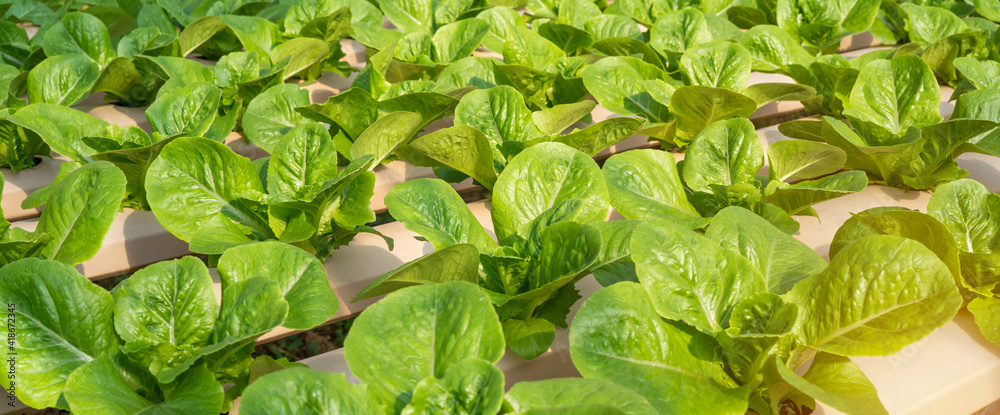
690, 207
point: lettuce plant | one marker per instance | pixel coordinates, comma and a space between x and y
436, 357
719, 323
160, 340
545, 205
972, 216
501, 21
84, 56
822, 24
976, 75
222, 91
84, 139
81, 59
425, 15
79, 210
428, 33
420, 53
714, 87
205, 194
359, 119
927, 24
493, 125
460, 341
677, 31
832, 76
544, 72
16, 46
310, 42
922, 159
365, 20
376, 110
648, 12
451, 371
329, 22
545, 62
944, 36
775, 50
976, 105
190, 98
560, 46
898, 138
720, 169
448, 43
961, 228
18, 147
938, 33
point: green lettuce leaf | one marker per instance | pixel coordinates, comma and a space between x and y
63, 322
892, 95
575, 392
270, 115
165, 312
63, 79
300, 276
838, 382
781, 259
196, 178
903, 298
412, 334
690, 277
615, 83
432, 209
541, 177
98, 387
301, 390
79, 212
644, 184
459, 262
669, 364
